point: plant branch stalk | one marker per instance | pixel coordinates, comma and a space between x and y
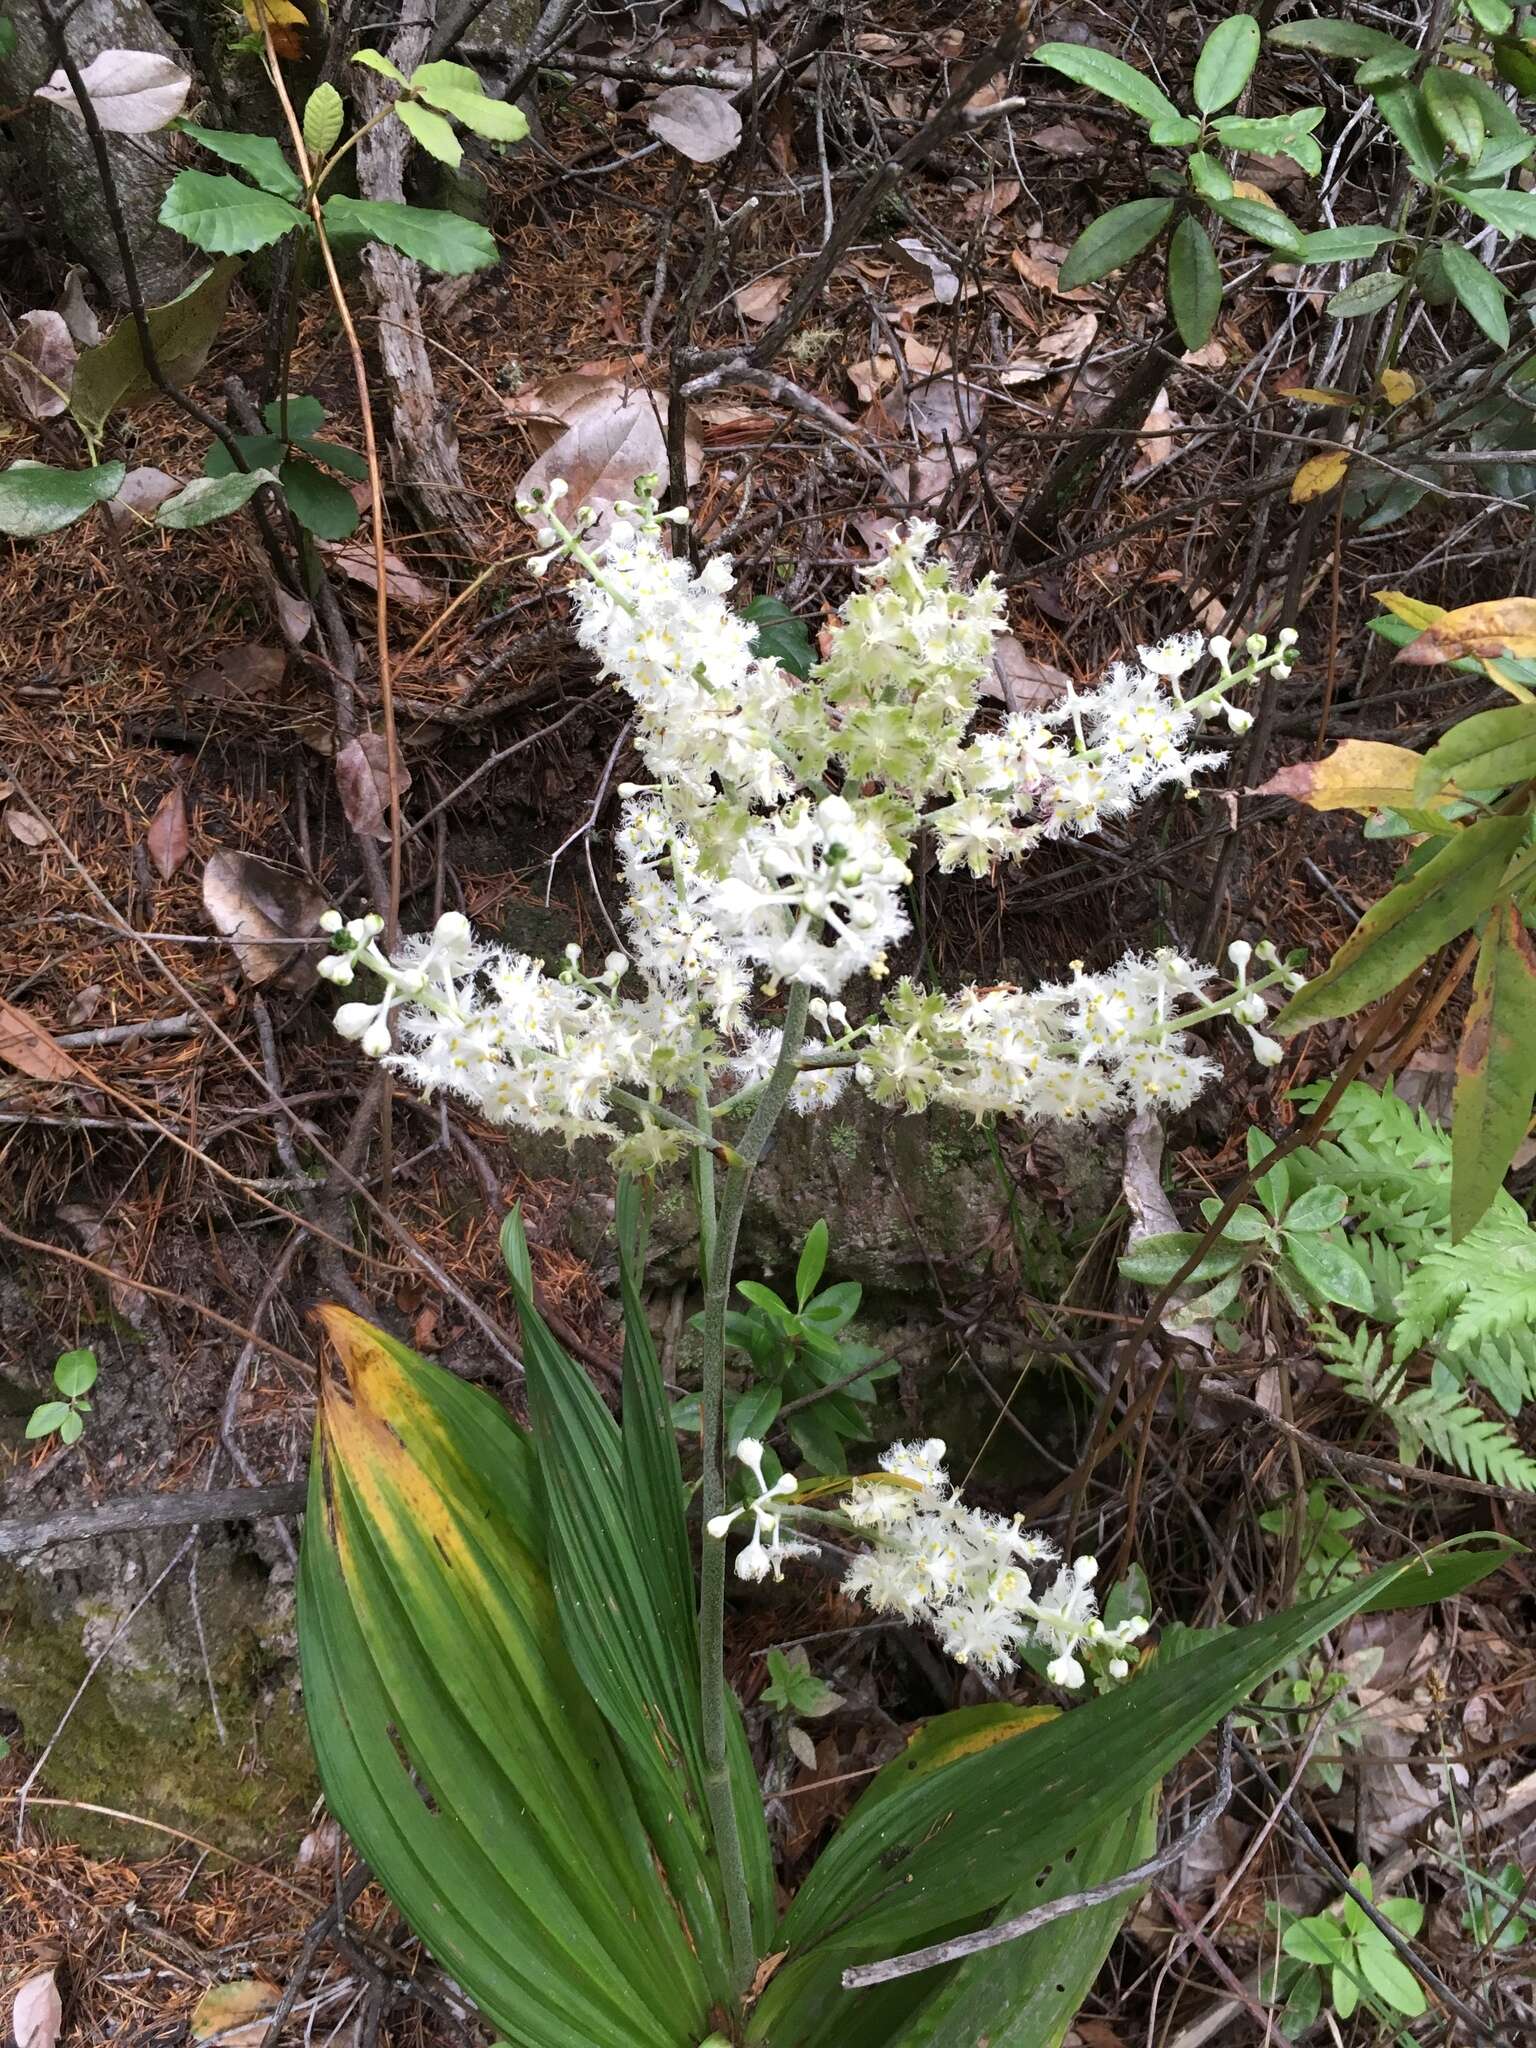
375, 480
733, 1198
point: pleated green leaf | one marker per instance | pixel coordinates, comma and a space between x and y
455, 1738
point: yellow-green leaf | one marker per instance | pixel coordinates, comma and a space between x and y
1398, 934
1319, 475
235, 2015
1488, 751
1397, 387
1413, 611
323, 116
1495, 1067
1359, 775
1502, 626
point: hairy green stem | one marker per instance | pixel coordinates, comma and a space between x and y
733, 1198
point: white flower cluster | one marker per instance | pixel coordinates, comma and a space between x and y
774, 846
1075, 1051
986, 1587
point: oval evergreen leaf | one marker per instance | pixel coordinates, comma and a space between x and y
1114, 239
1226, 62
1108, 75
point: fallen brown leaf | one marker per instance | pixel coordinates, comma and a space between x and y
39, 365
1062, 138
761, 300
1504, 625
244, 671
263, 909
166, 838
37, 2012
362, 782
355, 559
28, 1048
23, 825
871, 376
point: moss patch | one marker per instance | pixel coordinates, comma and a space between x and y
139, 1744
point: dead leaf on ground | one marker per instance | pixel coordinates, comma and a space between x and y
355, 559
1212, 357
918, 258
28, 1048
761, 300
235, 2015
944, 409
925, 357
264, 909
26, 826
697, 122
605, 450
246, 671
1020, 681
1062, 138
1156, 442
166, 838
872, 376
1152, 1215
83, 1005
1319, 475
37, 2012
362, 782
1057, 349
1359, 775
39, 365
995, 199
140, 495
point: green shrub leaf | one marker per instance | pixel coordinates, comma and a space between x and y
1112, 240
1194, 283
225, 217
36, 499
443, 241
1226, 63
1109, 76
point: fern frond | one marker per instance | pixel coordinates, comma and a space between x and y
1437, 1418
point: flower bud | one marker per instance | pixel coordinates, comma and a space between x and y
330, 920
375, 1040
1269, 1052
335, 967
1240, 953
1221, 647
353, 1019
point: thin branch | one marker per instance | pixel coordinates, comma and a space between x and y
918, 1959
150, 1511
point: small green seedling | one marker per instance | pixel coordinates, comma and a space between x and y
1492, 1917
1342, 1959
793, 1689
74, 1374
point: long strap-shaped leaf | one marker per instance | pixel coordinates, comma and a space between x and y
958, 1842
454, 1736
624, 1587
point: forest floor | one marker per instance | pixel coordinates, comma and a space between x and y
171, 1113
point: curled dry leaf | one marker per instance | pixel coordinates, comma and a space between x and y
84, 327
28, 1048
166, 838
235, 2015
761, 300
1063, 138
362, 782
1058, 349
699, 124
872, 376
926, 263
133, 92
39, 365
38, 2012
140, 496
264, 909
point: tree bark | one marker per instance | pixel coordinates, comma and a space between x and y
55, 156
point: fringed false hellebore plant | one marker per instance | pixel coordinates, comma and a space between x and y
765, 862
